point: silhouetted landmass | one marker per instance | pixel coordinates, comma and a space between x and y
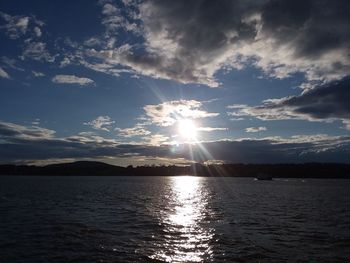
307, 170
76, 168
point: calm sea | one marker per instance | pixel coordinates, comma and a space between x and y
173, 219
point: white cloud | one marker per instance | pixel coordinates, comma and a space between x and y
38, 73
236, 119
65, 62
104, 68
101, 123
22, 24
37, 51
167, 113
236, 106
92, 41
72, 79
15, 26
210, 129
115, 18
18, 25
255, 129
156, 139
37, 31
36, 122
11, 63
138, 130
4, 74
264, 112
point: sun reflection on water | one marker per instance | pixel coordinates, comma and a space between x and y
186, 236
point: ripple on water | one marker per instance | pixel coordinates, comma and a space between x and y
173, 219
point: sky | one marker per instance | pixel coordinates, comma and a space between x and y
174, 82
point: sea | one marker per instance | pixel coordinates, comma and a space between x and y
173, 219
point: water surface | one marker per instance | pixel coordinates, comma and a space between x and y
173, 219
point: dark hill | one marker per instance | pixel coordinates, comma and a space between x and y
75, 168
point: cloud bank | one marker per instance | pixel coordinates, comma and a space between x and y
19, 143
325, 103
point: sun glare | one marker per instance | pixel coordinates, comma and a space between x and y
187, 129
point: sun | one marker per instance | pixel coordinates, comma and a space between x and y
187, 129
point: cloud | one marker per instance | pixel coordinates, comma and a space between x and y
10, 63
325, 103
37, 31
37, 73
255, 129
168, 113
27, 29
37, 51
191, 41
156, 139
138, 130
319, 148
237, 106
92, 59
15, 26
92, 41
106, 68
4, 74
72, 79
210, 129
101, 123
20, 143
15, 131
115, 18
36, 122
18, 26
236, 119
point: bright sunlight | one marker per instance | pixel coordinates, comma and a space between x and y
187, 129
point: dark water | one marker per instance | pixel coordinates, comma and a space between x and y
173, 219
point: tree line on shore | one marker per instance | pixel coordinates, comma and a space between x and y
304, 170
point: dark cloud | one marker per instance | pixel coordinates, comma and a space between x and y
315, 27
325, 103
329, 101
189, 41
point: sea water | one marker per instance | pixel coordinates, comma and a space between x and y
173, 219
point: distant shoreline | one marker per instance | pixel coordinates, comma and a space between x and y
87, 168
180, 175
